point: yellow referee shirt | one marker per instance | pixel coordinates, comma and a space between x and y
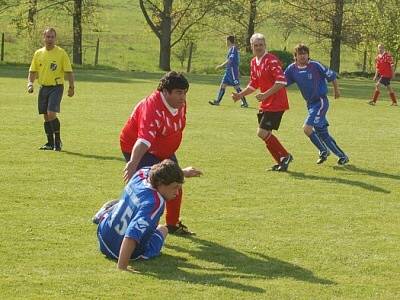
50, 65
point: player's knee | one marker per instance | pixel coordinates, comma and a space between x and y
163, 229
263, 134
308, 130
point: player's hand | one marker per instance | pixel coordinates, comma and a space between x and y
30, 89
261, 96
191, 172
236, 97
129, 170
71, 91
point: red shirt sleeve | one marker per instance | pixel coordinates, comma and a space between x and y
276, 71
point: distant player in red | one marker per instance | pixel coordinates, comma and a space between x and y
384, 73
153, 133
266, 74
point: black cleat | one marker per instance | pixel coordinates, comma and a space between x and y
372, 102
179, 229
285, 163
101, 214
58, 146
275, 167
343, 160
215, 103
323, 157
47, 146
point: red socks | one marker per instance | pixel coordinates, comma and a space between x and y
376, 95
275, 148
393, 97
173, 209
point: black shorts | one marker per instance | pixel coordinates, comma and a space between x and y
269, 120
384, 80
49, 98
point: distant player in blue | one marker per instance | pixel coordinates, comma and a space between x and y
128, 228
231, 76
311, 78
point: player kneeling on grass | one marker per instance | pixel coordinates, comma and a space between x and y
128, 228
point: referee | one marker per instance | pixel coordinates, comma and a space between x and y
49, 64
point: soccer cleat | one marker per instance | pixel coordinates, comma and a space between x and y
322, 157
244, 105
285, 163
58, 146
179, 229
394, 104
275, 167
372, 102
343, 160
47, 146
100, 215
213, 103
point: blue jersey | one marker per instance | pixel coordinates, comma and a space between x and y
310, 79
136, 216
231, 76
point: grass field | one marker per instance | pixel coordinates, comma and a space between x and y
315, 232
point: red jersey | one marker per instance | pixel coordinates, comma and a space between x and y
156, 124
264, 73
384, 63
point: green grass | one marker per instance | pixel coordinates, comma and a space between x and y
315, 232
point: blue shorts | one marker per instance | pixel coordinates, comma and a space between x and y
151, 248
147, 160
49, 98
231, 77
317, 113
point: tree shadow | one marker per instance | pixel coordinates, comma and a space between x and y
228, 265
367, 172
93, 156
360, 184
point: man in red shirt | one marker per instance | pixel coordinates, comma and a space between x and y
384, 73
153, 133
267, 75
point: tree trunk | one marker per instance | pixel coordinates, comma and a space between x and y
336, 38
31, 17
77, 28
251, 24
165, 36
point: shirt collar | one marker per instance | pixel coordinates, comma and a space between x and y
258, 60
172, 110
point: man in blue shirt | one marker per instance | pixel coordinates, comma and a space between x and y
128, 229
311, 77
231, 76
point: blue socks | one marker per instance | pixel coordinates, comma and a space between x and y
318, 143
329, 141
221, 94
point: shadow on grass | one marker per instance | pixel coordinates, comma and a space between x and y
360, 184
367, 172
228, 267
94, 156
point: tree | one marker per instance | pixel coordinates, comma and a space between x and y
171, 20
77, 30
330, 20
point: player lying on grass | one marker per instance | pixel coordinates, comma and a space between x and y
128, 228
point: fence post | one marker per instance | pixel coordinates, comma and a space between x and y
190, 58
2, 46
96, 57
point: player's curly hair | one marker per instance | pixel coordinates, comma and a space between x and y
165, 172
173, 80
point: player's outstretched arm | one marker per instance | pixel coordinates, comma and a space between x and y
247, 91
139, 149
276, 87
191, 172
127, 247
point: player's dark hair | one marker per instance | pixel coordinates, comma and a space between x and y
231, 39
173, 80
165, 172
301, 48
49, 29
